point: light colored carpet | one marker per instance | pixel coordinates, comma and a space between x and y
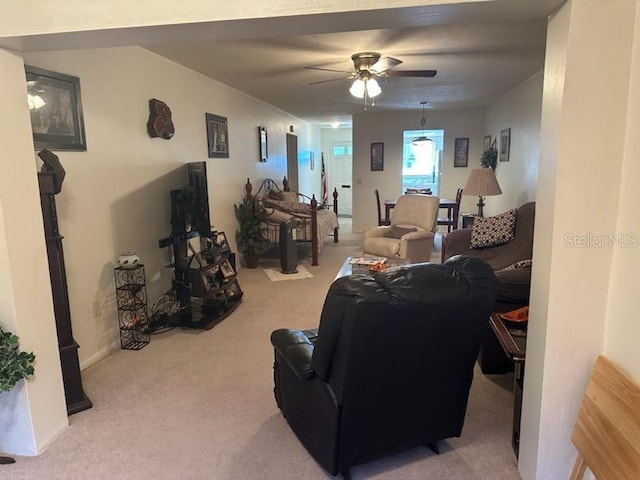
278, 276
198, 405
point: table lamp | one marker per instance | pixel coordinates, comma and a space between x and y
482, 182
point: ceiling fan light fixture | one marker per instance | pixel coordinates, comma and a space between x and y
373, 88
357, 88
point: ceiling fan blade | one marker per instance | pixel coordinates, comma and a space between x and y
331, 80
384, 64
328, 69
411, 73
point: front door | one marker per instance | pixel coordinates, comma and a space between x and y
339, 175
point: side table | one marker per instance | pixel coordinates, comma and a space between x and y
513, 339
467, 219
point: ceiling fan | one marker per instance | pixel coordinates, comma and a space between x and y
368, 67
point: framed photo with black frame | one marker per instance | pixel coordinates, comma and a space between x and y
461, 152
486, 143
377, 157
217, 136
55, 107
505, 144
221, 242
262, 135
226, 269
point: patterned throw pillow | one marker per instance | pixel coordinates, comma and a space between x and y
275, 195
517, 265
286, 206
493, 231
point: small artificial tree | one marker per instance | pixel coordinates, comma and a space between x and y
250, 236
489, 158
14, 364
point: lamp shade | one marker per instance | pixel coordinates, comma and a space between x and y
482, 182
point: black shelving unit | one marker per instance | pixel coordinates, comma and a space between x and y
131, 298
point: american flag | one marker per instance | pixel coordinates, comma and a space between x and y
325, 191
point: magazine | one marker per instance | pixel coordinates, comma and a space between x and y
369, 261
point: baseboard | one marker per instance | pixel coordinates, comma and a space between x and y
96, 357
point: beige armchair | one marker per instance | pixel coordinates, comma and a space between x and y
410, 235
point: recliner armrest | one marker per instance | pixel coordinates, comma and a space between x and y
296, 349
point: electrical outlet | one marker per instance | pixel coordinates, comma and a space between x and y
96, 309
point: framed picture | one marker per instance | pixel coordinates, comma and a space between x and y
208, 276
486, 143
221, 242
233, 290
217, 136
505, 144
227, 269
377, 157
461, 152
262, 135
56, 110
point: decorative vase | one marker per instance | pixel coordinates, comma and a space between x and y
128, 259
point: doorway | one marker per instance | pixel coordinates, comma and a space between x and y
339, 175
421, 164
292, 162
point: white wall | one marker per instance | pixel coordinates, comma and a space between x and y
578, 194
519, 110
115, 197
387, 128
622, 328
34, 412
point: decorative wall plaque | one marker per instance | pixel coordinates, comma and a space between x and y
160, 123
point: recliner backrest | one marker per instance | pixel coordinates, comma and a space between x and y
398, 349
416, 209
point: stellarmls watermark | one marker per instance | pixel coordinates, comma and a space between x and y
594, 240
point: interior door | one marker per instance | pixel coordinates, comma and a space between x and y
292, 162
339, 175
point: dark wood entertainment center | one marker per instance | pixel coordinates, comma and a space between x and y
204, 282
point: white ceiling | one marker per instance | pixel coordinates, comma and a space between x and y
480, 48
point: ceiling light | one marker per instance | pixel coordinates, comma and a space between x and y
422, 139
373, 89
335, 124
357, 88
365, 86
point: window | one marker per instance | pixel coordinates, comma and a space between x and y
421, 163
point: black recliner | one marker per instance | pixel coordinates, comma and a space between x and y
392, 363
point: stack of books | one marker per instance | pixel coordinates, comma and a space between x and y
373, 263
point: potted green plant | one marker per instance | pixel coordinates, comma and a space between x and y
489, 158
250, 237
14, 366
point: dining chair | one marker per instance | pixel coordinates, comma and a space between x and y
451, 220
381, 221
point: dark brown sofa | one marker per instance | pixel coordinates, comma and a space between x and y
514, 284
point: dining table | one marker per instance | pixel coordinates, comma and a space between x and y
443, 203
